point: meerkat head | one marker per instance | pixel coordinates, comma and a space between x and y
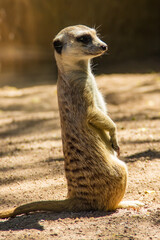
78, 43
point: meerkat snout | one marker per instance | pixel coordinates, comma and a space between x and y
104, 47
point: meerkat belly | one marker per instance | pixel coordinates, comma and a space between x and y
86, 167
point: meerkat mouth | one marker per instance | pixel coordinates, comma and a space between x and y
95, 54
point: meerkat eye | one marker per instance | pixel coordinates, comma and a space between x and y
85, 39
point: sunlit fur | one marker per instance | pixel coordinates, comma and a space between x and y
96, 178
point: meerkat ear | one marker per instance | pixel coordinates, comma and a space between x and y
58, 45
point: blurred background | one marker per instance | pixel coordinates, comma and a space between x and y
31, 157
27, 27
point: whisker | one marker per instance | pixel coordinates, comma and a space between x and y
106, 53
98, 27
94, 66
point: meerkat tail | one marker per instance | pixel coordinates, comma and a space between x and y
130, 204
69, 205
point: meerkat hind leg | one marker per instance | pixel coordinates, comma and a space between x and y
130, 204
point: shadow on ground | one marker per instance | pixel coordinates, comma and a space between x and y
142, 156
32, 221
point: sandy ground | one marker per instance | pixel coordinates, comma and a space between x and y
32, 167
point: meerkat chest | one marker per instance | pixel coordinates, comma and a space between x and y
97, 96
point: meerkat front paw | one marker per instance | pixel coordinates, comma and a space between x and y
115, 146
113, 138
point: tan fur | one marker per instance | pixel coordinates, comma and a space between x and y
96, 178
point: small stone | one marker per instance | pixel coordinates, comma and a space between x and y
54, 234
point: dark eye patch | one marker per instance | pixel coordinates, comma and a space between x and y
86, 38
58, 45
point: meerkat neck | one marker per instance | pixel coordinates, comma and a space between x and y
74, 70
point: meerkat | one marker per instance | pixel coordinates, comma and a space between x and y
96, 178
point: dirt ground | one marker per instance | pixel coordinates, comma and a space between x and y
32, 164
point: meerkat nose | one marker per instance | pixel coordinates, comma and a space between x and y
104, 47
